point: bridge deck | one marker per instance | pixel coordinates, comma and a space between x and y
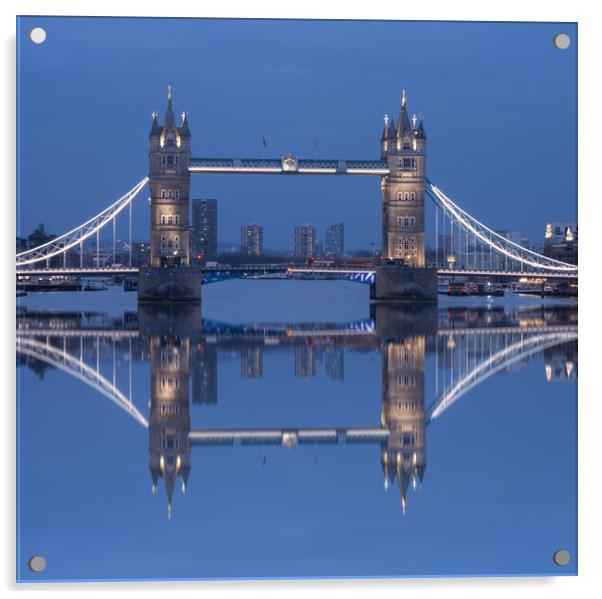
278, 166
442, 272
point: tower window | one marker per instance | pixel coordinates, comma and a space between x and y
170, 160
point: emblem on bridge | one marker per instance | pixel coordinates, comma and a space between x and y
290, 163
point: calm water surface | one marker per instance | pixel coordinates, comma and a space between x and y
289, 428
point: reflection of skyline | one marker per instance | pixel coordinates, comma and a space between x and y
183, 354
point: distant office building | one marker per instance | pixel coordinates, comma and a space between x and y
251, 362
561, 241
334, 360
319, 248
39, 237
204, 229
251, 240
305, 241
204, 374
335, 240
21, 244
305, 361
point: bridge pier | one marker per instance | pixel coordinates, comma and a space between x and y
396, 282
181, 284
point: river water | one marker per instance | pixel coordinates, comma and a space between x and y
292, 429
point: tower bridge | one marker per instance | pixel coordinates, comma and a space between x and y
402, 274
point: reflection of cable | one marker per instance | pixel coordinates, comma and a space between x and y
486, 368
77, 235
80, 370
472, 225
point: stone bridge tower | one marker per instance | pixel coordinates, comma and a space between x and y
404, 148
169, 158
169, 276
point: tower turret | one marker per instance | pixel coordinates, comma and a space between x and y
169, 158
403, 191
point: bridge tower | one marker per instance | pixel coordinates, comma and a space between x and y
404, 148
403, 457
169, 157
169, 276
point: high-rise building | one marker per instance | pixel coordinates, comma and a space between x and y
204, 374
305, 241
335, 240
251, 362
204, 229
251, 240
305, 361
404, 149
561, 242
334, 360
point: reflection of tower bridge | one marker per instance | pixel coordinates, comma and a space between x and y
465, 357
404, 186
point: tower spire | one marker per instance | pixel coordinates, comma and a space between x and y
170, 121
403, 124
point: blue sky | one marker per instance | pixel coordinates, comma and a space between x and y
499, 102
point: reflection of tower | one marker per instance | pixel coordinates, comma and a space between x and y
334, 361
404, 455
204, 374
251, 362
171, 330
305, 361
561, 362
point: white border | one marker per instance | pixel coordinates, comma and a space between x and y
587, 14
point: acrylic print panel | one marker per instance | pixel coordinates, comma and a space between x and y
259, 334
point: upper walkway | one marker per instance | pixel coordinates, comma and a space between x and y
288, 165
